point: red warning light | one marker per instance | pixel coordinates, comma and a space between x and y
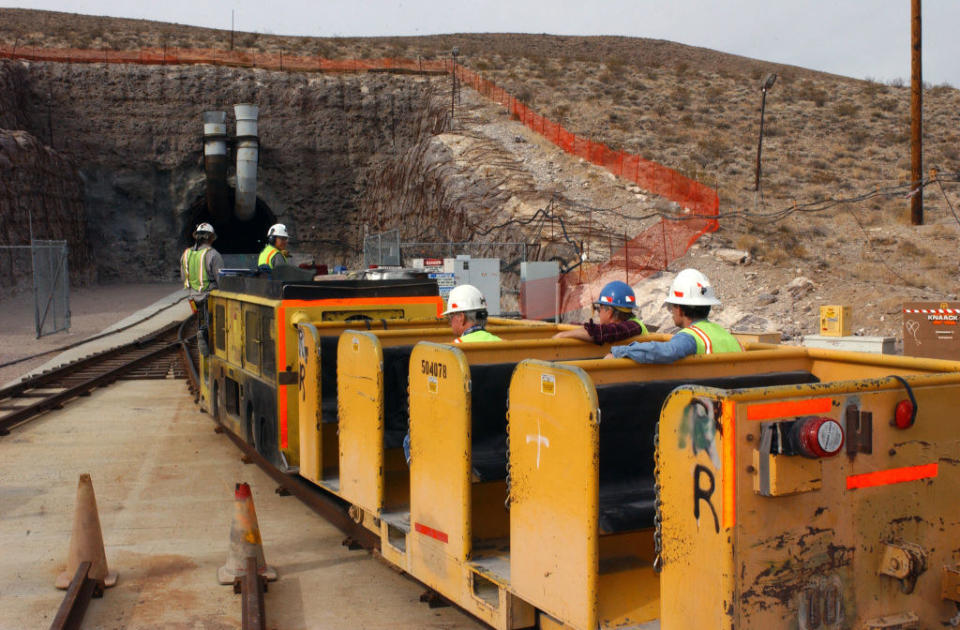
821, 437
903, 416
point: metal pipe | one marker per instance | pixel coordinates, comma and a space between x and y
247, 151
215, 165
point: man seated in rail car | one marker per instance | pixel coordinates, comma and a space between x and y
689, 300
200, 266
275, 253
467, 314
616, 320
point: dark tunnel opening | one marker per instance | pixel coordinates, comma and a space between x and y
233, 235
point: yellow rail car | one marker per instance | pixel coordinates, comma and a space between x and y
249, 380
774, 489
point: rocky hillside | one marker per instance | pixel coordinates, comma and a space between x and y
829, 227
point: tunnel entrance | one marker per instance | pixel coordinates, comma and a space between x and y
233, 235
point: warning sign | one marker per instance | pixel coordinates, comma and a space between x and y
445, 282
930, 330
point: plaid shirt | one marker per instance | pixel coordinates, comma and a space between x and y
609, 333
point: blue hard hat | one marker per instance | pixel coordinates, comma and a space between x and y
618, 295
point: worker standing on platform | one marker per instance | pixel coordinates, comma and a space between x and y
200, 267
467, 313
275, 253
616, 320
690, 298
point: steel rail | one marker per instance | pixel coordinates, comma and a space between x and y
56, 401
74, 605
53, 375
251, 586
193, 377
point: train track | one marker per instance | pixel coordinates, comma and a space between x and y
152, 356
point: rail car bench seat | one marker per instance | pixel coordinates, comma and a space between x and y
629, 413
458, 543
318, 377
582, 501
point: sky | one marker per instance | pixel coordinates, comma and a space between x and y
857, 38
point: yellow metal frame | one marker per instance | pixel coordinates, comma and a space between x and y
359, 356
821, 548
760, 558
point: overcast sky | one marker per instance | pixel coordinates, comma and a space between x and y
858, 38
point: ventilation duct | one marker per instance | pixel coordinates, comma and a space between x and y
247, 150
215, 164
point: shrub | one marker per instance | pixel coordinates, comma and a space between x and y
847, 108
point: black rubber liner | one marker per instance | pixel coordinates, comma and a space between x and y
491, 386
328, 378
491, 383
629, 413
327, 289
396, 405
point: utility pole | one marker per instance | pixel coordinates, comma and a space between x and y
916, 115
767, 84
453, 82
231, 28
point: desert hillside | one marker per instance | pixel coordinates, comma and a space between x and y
831, 225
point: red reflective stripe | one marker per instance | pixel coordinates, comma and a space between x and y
892, 475
431, 532
809, 407
704, 338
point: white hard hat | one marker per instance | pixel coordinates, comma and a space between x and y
465, 297
692, 288
278, 229
204, 228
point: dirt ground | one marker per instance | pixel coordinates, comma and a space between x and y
91, 310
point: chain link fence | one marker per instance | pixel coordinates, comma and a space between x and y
42, 267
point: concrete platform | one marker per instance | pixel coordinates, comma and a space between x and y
164, 483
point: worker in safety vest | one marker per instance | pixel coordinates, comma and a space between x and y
201, 263
689, 301
275, 253
616, 320
200, 266
467, 314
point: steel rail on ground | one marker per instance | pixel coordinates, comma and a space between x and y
74, 605
144, 349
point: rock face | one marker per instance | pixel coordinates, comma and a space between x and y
135, 136
40, 189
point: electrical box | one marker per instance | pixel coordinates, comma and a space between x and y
540, 290
835, 321
483, 273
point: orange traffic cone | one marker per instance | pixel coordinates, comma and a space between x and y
86, 541
244, 540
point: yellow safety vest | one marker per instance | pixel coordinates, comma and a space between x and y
194, 271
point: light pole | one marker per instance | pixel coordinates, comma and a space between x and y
767, 84
453, 81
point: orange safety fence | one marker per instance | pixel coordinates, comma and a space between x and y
651, 250
644, 254
231, 58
